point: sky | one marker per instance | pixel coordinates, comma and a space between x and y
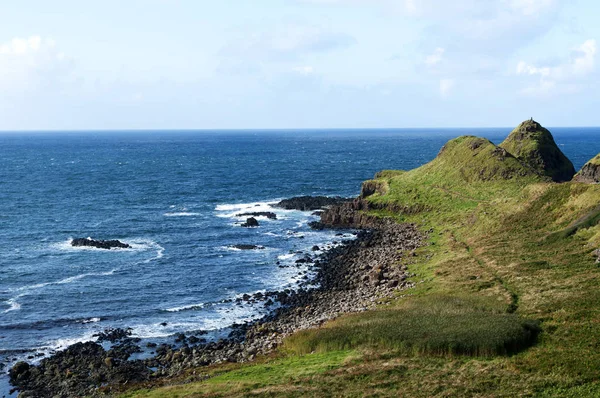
254, 64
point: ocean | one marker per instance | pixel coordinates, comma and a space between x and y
174, 196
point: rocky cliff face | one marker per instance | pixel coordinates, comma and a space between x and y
590, 172
534, 145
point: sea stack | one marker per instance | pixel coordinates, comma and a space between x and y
534, 145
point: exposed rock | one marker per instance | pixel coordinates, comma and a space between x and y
534, 146
100, 244
248, 247
268, 214
250, 223
113, 334
590, 172
597, 254
306, 203
372, 187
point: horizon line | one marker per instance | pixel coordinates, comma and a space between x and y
271, 129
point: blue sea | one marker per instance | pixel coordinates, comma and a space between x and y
174, 196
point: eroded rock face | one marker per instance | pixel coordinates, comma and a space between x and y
534, 145
99, 244
590, 172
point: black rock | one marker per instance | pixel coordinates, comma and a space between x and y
100, 244
113, 335
250, 223
248, 247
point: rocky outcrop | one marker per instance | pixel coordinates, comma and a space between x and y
590, 172
250, 223
99, 244
354, 214
534, 145
306, 203
269, 214
373, 187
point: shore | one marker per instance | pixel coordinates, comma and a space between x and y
353, 277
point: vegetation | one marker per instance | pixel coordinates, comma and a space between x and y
510, 255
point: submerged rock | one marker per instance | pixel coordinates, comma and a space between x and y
100, 244
534, 145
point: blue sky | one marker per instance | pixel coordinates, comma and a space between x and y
168, 64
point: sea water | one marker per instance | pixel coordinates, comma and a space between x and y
175, 196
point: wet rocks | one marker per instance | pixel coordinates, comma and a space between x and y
248, 247
250, 223
306, 203
269, 214
113, 334
99, 244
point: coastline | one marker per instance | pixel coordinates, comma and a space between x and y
353, 277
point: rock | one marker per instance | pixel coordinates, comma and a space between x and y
590, 172
248, 247
306, 203
113, 334
250, 223
534, 145
100, 244
269, 214
19, 371
315, 248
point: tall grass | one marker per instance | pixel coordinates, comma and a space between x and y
437, 325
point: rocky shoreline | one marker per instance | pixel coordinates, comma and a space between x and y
352, 277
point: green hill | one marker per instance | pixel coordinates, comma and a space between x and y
510, 254
534, 145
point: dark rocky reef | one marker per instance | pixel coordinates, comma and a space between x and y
306, 203
590, 172
100, 244
269, 214
534, 145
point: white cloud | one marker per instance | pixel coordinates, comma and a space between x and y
29, 62
564, 76
303, 70
446, 85
436, 57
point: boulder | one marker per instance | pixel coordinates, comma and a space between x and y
100, 244
250, 223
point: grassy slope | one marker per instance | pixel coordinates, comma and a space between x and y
517, 248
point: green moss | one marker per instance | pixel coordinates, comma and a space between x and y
534, 146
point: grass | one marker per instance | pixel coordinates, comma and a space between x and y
509, 252
438, 325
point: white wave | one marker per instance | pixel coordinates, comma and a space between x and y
91, 320
63, 281
61, 344
286, 256
186, 307
181, 214
232, 210
13, 303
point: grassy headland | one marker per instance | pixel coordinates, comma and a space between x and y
506, 303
